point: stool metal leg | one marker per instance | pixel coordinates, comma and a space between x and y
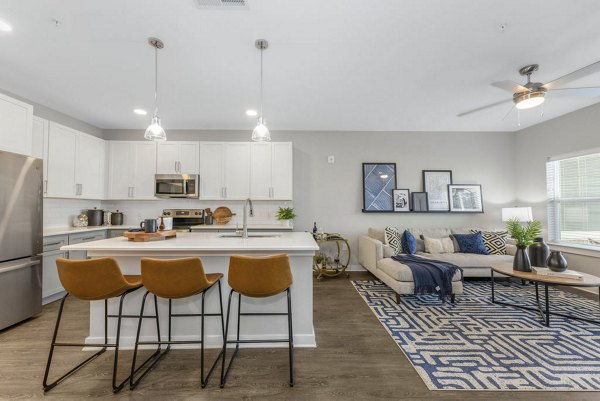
291, 337
225, 336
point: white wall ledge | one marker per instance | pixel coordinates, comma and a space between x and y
576, 249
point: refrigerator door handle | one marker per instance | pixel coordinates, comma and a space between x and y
19, 266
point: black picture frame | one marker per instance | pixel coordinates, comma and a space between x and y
398, 208
473, 195
438, 198
419, 202
378, 197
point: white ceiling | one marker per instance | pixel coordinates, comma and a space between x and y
372, 65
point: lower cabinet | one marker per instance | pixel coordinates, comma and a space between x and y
81, 238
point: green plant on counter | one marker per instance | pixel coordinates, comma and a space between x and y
524, 234
285, 213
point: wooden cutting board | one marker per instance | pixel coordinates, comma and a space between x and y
144, 237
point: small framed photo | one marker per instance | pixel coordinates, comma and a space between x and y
435, 183
465, 198
401, 200
419, 202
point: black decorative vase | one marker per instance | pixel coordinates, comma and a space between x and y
556, 262
521, 262
538, 252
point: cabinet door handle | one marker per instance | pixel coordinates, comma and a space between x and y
87, 238
225, 192
179, 167
53, 243
45, 186
132, 192
272, 192
175, 166
80, 189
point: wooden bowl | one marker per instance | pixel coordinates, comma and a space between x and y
222, 215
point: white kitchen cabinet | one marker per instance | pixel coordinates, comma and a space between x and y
74, 163
271, 172
131, 167
212, 158
16, 119
177, 158
62, 147
51, 285
236, 171
39, 137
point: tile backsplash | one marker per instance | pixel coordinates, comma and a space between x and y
60, 212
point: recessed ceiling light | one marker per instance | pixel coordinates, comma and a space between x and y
251, 113
141, 112
5, 27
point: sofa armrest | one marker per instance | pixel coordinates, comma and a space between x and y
369, 252
511, 249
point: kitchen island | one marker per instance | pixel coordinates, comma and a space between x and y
214, 249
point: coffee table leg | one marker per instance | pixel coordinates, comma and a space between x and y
492, 286
547, 305
537, 292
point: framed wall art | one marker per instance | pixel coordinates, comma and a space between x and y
465, 198
379, 182
435, 183
401, 200
419, 201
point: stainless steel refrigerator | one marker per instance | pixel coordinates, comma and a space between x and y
20, 238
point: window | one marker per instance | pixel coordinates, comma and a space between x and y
574, 199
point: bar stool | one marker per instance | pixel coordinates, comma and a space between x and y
93, 280
176, 279
258, 277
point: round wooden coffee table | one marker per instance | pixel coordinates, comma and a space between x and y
506, 269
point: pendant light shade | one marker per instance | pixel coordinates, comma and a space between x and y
155, 131
261, 132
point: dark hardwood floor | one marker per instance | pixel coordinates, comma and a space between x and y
356, 359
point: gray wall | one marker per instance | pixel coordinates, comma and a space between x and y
331, 194
576, 131
56, 116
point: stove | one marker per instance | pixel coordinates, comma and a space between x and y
183, 219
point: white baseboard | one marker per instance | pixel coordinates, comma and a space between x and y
356, 268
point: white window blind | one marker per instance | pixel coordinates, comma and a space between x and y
574, 199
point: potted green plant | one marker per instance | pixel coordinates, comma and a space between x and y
286, 214
319, 260
524, 235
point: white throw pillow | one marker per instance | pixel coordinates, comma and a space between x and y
438, 245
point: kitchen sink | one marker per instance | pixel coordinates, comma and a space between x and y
250, 235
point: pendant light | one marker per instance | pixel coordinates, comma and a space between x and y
261, 132
155, 131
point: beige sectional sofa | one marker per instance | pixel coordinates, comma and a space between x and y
376, 257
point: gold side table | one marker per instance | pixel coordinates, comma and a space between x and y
333, 256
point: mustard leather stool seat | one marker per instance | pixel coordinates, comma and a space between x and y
175, 279
258, 277
92, 280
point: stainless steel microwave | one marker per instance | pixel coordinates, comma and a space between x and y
176, 185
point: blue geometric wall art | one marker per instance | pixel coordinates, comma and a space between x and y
379, 181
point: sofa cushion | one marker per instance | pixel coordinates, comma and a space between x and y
401, 272
494, 241
471, 243
409, 243
393, 238
438, 245
467, 260
377, 234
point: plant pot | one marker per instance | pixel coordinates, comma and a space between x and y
557, 262
538, 252
521, 261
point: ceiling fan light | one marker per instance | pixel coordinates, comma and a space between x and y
155, 131
529, 100
261, 132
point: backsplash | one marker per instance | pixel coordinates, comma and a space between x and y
60, 212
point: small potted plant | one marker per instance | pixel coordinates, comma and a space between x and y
524, 235
286, 214
320, 260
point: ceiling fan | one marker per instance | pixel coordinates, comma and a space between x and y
533, 94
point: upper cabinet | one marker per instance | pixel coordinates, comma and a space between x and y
271, 172
16, 120
131, 169
177, 158
224, 170
74, 163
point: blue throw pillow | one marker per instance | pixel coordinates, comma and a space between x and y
471, 243
409, 243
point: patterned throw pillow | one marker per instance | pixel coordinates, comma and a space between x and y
409, 243
393, 238
471, 243
494, 241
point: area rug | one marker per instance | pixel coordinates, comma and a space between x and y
477, 345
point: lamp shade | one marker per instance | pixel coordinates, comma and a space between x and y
521, 214
261, 132
155, 131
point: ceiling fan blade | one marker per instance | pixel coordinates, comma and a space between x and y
510, 86
580, 73
576, 92
483, 108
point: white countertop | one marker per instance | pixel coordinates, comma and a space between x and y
48, 231
251, 226
284, 241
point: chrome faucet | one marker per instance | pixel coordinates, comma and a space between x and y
245, 227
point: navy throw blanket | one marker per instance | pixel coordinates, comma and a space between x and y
430, 276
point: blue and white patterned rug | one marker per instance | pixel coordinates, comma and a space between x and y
477, 345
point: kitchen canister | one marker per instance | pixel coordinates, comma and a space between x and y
116, 218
